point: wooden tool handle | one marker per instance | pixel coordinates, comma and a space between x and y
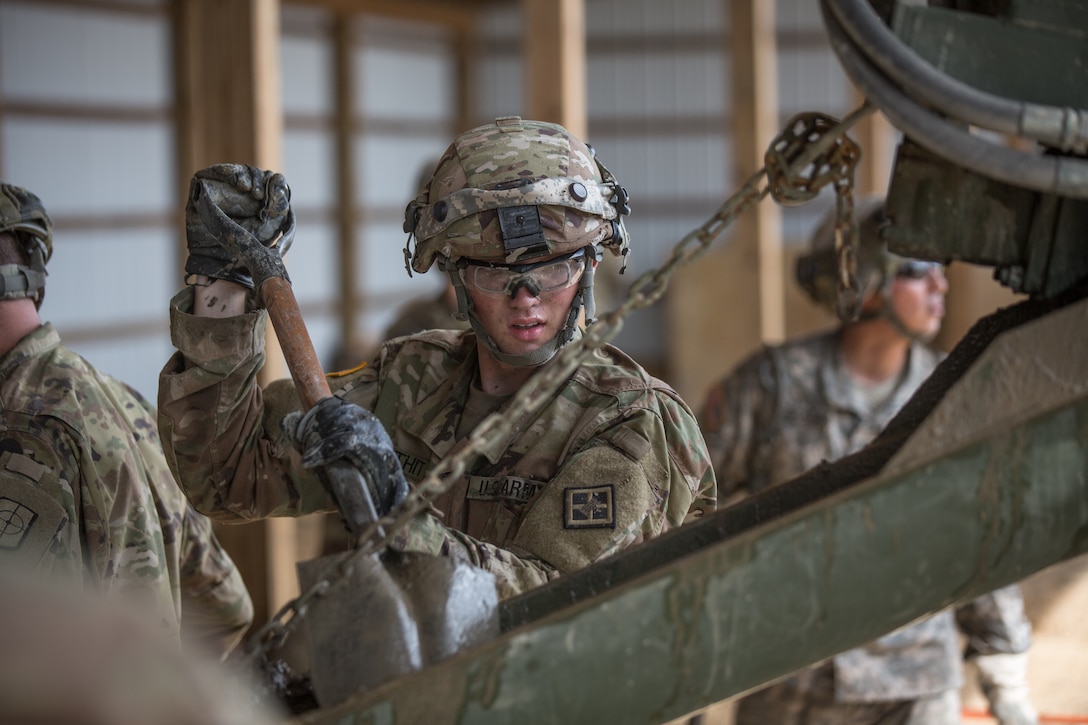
295, 341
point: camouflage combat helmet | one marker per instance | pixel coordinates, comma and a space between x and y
22, 213
817, 271
877, 267
514, 192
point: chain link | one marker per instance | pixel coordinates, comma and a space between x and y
811, 153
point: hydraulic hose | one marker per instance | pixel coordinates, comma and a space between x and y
1062, 128
1049, 174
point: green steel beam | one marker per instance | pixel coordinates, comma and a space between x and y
990, 489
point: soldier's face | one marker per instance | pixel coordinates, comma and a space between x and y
917, 298
523, 322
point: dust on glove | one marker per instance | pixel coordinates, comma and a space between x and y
336, 430
258, 201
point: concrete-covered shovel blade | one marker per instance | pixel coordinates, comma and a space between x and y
393, 615
396, 612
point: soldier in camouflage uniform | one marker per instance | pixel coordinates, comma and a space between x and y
789, 407
85, 493
516, 214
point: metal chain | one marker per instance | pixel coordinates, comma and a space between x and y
811, 153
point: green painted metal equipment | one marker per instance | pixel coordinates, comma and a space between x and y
966, 503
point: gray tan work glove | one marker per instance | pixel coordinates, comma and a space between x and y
336, 430
1003, 679
257, 201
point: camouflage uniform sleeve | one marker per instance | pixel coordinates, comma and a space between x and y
729, 419
216, 609
995, 623
513, 574
643, 476
220, 431
998, 637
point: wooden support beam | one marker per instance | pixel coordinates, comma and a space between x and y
230, 111
876, 136
722, 308
555, 63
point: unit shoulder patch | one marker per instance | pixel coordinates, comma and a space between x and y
589, 507
30, 518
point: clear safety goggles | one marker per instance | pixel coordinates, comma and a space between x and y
540, 278
917, 269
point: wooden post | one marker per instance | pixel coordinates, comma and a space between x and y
876, 137
230, 111
555, 63
723, 307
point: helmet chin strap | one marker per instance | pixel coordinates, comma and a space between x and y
18, 280
544, 353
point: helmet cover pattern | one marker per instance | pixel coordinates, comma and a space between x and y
513, 191
22, 214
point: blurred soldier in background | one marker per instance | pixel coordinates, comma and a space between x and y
80, 657
85, 492
516, 215
787, 408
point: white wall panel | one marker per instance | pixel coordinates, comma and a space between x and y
307, 67
325, 335
388, 167
309, 162
84, 56
667, 167
811, 79
798, 15
311, 262
499, 88
110, 277
381, 261
414, 81
498, 77
92, 167
642, 17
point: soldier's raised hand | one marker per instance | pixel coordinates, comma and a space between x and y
238, 223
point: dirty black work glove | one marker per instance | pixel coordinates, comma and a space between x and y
258, 201
336, 430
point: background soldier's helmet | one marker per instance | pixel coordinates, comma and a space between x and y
22, 213
513, 191
817, 271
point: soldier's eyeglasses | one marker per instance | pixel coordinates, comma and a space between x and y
917, 269
540, 278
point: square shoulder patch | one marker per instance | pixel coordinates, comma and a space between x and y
591, 507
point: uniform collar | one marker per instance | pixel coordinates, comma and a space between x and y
41, 340
434, 420
844, 395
